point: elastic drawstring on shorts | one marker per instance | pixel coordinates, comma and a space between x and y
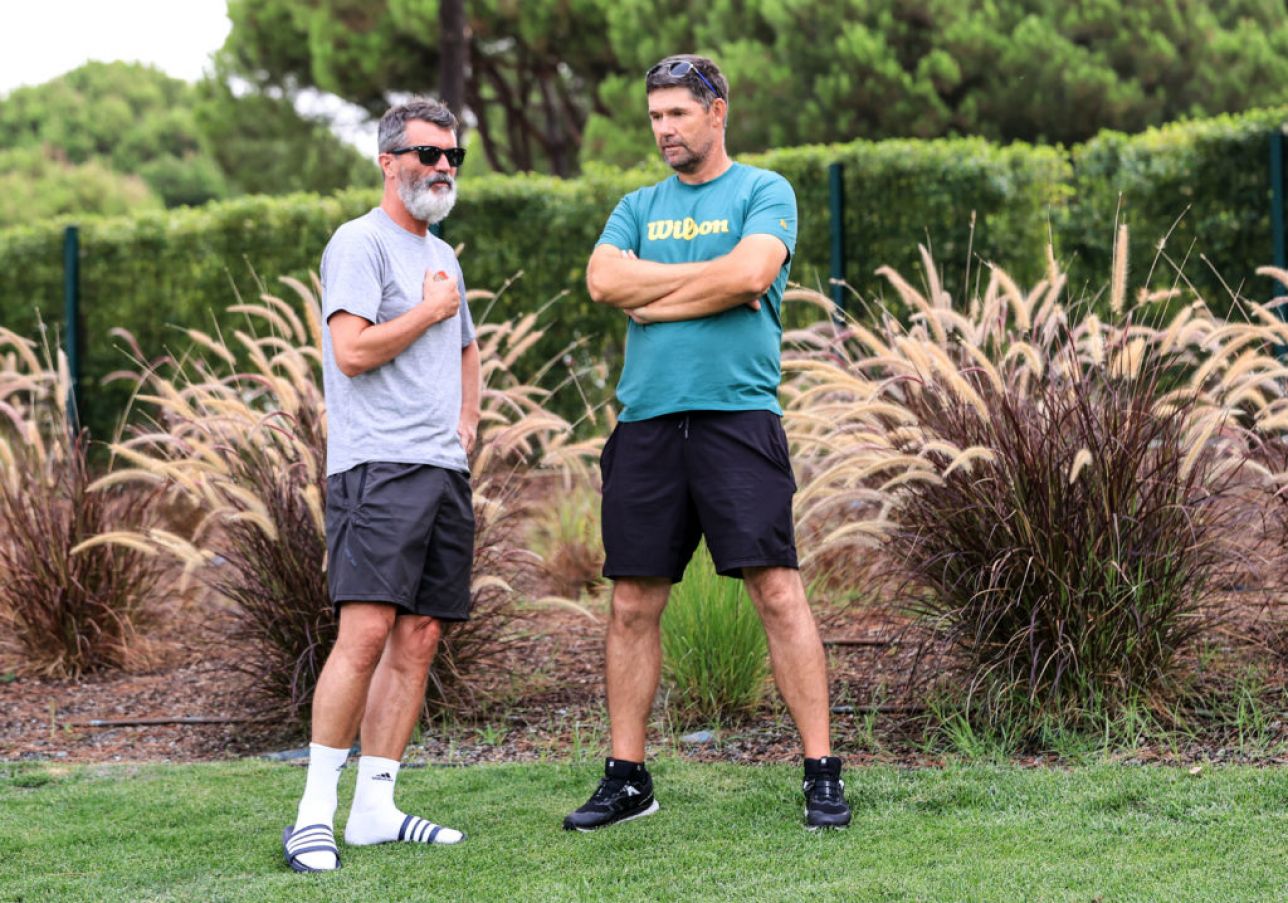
684, 425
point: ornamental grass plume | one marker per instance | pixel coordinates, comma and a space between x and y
65, 612
238, 431
1060, 498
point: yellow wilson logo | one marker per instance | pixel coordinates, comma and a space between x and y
685, 229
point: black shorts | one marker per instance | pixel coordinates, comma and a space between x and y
670, 480
402, 534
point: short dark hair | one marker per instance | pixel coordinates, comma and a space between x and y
660, 77
392, 133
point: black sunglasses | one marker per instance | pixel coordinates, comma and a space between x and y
429, 154
682, 68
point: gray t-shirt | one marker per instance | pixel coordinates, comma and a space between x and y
405, 411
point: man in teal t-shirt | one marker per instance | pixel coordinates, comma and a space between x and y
729, 360
699, 262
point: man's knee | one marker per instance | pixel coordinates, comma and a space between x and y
364, 630
417, 639
638, 603
778, 594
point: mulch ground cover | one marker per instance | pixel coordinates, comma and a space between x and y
191, 700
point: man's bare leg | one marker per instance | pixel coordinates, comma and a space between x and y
795, 652
633, 661
800, 670
338, 703
632, 666
394, 703
397, 691
341, 693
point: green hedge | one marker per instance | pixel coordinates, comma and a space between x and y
1211, 174
157, 274
160, 272
903, 193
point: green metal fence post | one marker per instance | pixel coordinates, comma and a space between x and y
1277, 220
72, 341
836, 206
1277, 141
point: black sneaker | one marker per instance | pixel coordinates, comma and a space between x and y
825, 805
625, 792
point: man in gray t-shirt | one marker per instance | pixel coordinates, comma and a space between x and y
400, 369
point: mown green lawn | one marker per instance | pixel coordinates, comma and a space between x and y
211, 832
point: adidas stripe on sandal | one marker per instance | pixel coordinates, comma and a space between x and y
418, 830
309, 839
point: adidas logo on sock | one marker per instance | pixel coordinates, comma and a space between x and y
383, 776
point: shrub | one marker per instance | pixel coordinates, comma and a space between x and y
714, 655
248, 449
565, 532
245, 449
1061, 497
71, 606
963, 195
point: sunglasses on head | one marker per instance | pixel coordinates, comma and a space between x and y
680, 70
429, 154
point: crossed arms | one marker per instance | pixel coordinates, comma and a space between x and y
652, 292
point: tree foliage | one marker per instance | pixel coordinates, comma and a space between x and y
265, 147
553, 78
806, 71
111, 137
42, 180
533, 65
127, 117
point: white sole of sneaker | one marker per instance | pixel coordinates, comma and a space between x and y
649, 811
809, 827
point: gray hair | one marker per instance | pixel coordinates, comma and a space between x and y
393, 125
660, 77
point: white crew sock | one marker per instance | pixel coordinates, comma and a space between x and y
317, 806
375, 819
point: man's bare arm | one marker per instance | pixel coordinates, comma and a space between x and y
740, 277
471, 388
622, 280
361, 345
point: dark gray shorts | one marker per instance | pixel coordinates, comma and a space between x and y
402, 534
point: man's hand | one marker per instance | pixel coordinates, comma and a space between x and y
440, 295
467, 429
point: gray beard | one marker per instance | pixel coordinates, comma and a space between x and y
426, 204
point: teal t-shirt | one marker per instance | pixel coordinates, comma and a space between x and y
726, 362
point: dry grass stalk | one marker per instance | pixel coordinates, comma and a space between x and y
958, 424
